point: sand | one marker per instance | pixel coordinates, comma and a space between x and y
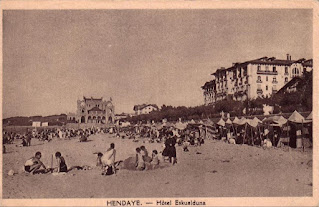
216, 169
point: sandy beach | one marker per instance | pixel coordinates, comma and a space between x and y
215, 169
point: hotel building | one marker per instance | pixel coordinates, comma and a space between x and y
254, 78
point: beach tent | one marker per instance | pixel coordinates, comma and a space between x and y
309, 117
209, 122
228, 121
180, 125
252, 122
236, 120
296, 117
242, 121
282, 120
275, 121
257, 120
221, 122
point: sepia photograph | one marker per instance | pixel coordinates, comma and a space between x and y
173, 105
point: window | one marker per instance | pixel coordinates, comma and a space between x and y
286, 70
267, 68
259, 78
274, 79
258, 68
286, 79
274, 69
266, 88
266, 78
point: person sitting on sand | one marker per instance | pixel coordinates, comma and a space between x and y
62, 167
108, 159
144, 153
34, 164
139, 164
155, 160
83, 137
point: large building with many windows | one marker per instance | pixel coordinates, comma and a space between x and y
254, 78
93, 110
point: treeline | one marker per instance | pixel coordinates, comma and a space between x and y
300, 100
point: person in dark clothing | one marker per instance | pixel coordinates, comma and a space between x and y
170, 149
62, 167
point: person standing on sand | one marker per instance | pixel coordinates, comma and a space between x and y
170, 148
108, 159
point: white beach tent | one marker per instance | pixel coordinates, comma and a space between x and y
257, 120
221, 122
236, 120
228, 121
309, 117
242, 121
296, 117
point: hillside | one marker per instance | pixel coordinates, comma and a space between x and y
27, 121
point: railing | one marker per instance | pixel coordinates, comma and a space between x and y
267, 72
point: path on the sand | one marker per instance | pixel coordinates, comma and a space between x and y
215, 169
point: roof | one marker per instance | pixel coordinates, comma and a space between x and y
267, 61
95, 109
208, 84
142, 106
92, 99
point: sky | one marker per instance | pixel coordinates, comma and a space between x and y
51, 58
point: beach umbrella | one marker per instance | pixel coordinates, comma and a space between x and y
221, 122
296, 117
201, 122
192, 122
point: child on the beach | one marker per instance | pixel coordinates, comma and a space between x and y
155, 160
62, 167
99, 160
139, 164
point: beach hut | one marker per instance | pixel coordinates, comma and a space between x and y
297, 122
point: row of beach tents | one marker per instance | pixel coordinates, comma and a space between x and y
276, 120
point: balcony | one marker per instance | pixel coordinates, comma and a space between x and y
265, 72
259, 81
274, 91
259, 90
274, 81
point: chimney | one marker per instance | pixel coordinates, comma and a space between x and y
288, 56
